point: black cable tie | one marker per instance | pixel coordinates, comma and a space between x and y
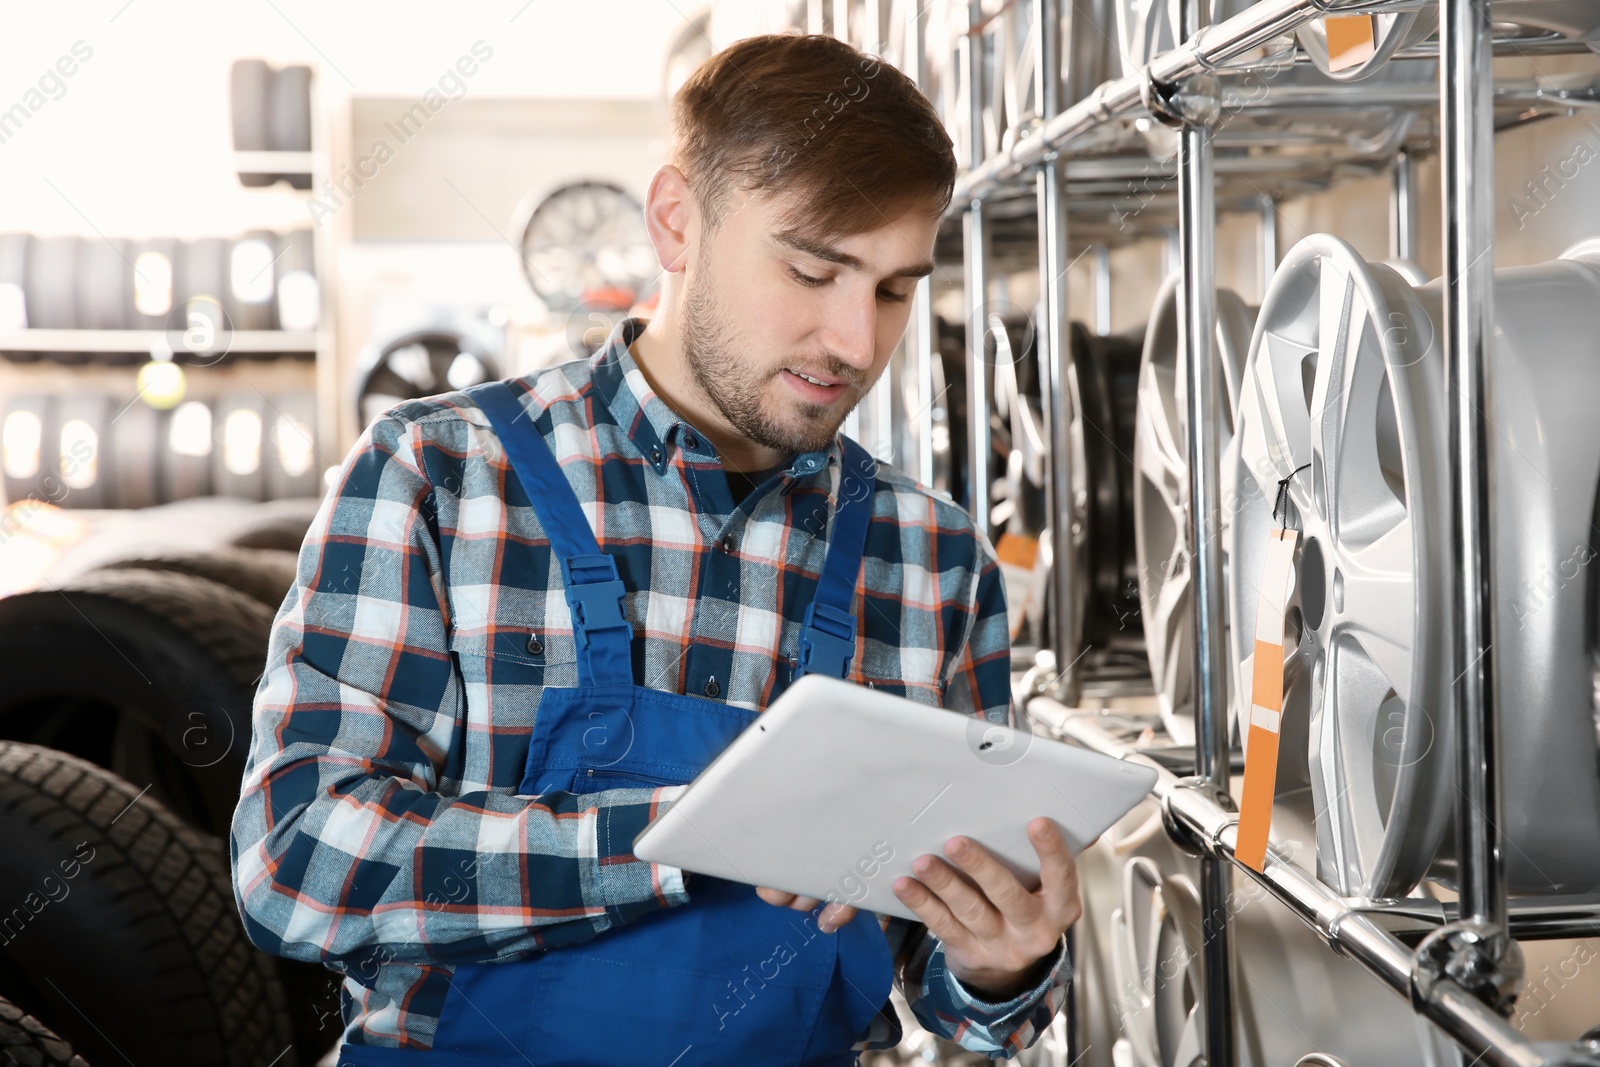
1283, 496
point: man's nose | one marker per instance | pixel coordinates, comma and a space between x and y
852, 330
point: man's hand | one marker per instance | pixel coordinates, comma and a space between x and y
833, 916
995, 932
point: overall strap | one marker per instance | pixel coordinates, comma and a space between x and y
828, 635
594, 590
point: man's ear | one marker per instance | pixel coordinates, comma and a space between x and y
672, 217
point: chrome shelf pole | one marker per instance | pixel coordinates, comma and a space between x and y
1055, 338
925, 339
1467, 155
977, 284
1197, 222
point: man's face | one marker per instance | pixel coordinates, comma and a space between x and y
785, 332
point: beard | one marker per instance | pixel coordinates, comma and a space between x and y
737, 388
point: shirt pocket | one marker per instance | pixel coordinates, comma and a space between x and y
913, 673
506, 667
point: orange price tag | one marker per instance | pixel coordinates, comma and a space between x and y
1351, 40
1266, 702
1017, 550
1019, 558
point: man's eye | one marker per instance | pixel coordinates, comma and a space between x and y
806, 279
893, 297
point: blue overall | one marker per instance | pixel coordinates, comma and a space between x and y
724, 979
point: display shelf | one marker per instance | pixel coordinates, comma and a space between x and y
274, 162
286, 341
1188, 127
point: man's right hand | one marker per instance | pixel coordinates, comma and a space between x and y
833, 916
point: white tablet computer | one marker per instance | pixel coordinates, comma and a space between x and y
837, 788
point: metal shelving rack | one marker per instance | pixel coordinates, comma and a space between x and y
1453, 963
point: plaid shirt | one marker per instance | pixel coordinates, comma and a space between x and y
380, 831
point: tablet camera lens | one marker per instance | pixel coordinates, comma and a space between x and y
995, 743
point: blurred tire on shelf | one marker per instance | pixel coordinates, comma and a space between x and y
289, 117
13, 280
157, 266
298, 296
24, 1040
262, 574
51, 289
289, 450
251, 284
249, 82
105, 284
149, 674
133, 445
238, 426
52, 267
142, 956
186, 451
28, 442
85, 464
14, 290
203, 295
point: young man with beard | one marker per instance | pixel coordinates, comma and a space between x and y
531, 610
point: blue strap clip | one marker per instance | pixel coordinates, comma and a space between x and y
594, 594
827, 641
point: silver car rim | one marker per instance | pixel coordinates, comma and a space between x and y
1161, 493
1345, 382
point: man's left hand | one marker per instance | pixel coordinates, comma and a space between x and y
995, 932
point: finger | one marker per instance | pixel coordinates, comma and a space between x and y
962, 897
1006, 895
927, 906
774, 896
1058, 871
834, 916
805, 903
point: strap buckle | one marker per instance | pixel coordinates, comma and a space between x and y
827, 641
594, 594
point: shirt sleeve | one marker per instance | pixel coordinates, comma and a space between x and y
344, 848
979, 683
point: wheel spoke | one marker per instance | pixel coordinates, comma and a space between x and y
1163, 459
1279, 441
1351, 809
1377, 586
1331, 381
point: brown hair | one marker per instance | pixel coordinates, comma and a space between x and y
852, 139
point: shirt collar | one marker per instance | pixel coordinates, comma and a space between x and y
653, 427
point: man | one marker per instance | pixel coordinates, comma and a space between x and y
530, 611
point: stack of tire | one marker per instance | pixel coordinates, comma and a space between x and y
124, 729
259, 280
92, 449
271, 112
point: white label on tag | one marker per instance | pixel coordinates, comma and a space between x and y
1274, 589
1266, 718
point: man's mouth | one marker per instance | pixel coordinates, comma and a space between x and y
816, 388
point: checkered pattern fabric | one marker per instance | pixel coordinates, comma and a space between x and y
380, 831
